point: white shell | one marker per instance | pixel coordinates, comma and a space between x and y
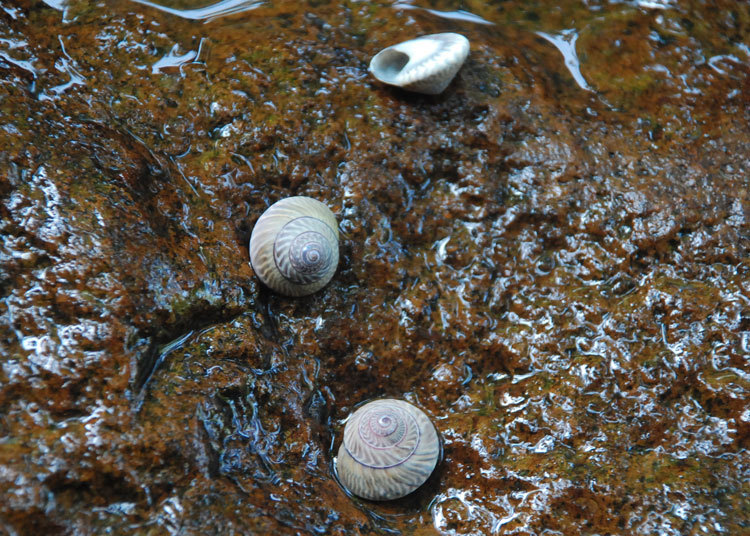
426, 64
294, 246
390, 448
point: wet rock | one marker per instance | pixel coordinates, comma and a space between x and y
550, 259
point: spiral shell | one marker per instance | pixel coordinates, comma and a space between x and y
390, 448
294, 246
426, 64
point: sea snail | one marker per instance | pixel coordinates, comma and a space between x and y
390, 448
426, 64
294, 246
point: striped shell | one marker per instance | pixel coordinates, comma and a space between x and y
390, 448
294, 247
426, 64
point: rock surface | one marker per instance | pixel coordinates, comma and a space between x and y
550, 259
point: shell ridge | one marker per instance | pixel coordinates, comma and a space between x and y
432, 63
376, 466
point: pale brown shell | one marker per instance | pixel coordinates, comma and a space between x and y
294, 246
390, 448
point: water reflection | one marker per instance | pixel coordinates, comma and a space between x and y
457, 15
565, 42
65, 65
59, 5
207, 13
173, 59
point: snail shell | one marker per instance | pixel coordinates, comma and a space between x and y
294, 246
426, 64
390, 448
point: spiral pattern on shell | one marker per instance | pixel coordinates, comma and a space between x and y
390, 448
294, 246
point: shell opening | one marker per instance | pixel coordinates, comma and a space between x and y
389, 63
